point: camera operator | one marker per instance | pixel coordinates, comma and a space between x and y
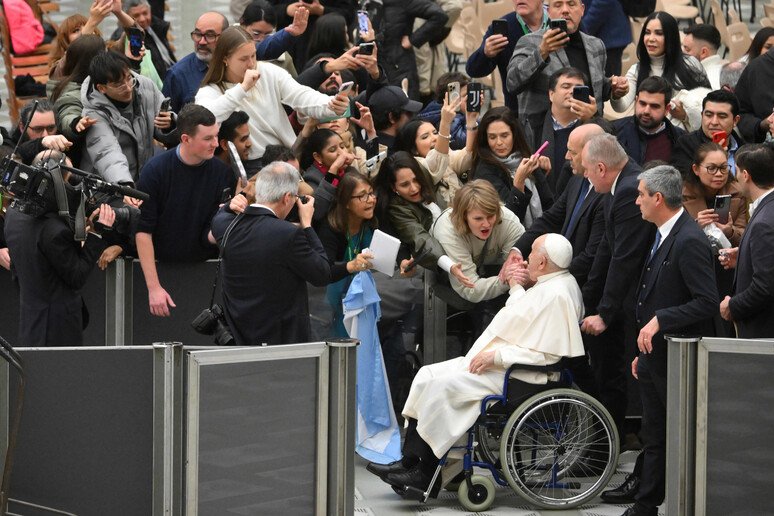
50, 267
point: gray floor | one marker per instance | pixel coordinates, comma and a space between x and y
375, 498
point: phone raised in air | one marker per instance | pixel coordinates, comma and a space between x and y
722, 207
136, 38
581, 94
362, 20
366, 49
454, 92
474, 97
500, 26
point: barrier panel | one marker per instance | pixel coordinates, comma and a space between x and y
118, 430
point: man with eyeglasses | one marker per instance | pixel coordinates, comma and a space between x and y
720, 114
126, 107
184, 78
40, 135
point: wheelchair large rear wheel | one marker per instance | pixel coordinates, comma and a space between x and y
559, 449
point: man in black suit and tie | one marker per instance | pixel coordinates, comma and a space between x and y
609, 290
676, 293
752, 305
267, 262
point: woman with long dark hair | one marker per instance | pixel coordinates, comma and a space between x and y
660, 53
329, 35
502, 156
761, 43
406, 197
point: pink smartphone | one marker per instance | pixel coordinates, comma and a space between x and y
542, 149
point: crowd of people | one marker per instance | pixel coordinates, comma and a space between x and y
346, 121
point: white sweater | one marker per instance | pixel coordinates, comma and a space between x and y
269, 125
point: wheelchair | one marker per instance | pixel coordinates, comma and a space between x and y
558, 449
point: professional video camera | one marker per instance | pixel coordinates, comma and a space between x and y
41, 189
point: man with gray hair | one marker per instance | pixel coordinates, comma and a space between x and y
156, 30
267, 262
676, 293
730, 74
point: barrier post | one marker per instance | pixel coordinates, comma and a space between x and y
167, 428
118, 303
434, 323
342, 417
681, 423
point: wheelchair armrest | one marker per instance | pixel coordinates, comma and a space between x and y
557, 367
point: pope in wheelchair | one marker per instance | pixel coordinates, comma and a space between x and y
564, 433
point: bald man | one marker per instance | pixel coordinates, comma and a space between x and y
537, 326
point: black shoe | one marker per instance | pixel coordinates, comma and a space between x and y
624, 493
382, 470
415, 478
641, 510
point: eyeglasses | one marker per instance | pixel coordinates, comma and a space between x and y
714, 169
126, 84
39, 129
365, 196
258, 35
209, 37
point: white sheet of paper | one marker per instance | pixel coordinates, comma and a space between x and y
385, 250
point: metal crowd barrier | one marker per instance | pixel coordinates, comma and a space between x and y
719, 453
171, 430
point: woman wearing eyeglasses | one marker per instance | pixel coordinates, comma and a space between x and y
344, 234
709, 178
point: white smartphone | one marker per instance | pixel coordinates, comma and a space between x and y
454, 92
346, 87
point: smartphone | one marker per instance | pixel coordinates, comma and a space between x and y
454, 92
720, 138
362, 20
367, 49
165, 104
474, 97
500, 26
542, 149
136, 39
722, 207
372, 148
560, 24
581, 93
346, 87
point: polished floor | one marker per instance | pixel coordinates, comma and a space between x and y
375, 498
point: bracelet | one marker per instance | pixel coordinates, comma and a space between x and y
472, 128
447, 136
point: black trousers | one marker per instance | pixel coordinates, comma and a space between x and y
613, 62
417, 451
652, 382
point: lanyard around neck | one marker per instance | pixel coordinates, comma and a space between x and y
352, 247
526, 28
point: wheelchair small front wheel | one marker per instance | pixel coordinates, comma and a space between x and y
480, 497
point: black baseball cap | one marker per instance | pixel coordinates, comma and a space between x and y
391, 98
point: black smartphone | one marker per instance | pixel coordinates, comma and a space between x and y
136, 39
722, 207
581, 93
372, 148
560, 24
500, 26
367, 49
474, 97
165, 104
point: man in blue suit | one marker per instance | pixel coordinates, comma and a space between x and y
676, 293
752, 305
267, 262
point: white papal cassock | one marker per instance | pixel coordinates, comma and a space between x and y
538, 326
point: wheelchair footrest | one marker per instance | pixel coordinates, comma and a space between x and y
413, 493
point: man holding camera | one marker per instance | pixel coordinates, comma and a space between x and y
51, 267
267, 262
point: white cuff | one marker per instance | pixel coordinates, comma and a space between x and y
445, 263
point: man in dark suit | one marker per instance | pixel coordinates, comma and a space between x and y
752, 305
267, 262
609, 290
676, 293
51, 267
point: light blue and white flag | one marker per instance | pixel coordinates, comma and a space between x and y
378, 436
